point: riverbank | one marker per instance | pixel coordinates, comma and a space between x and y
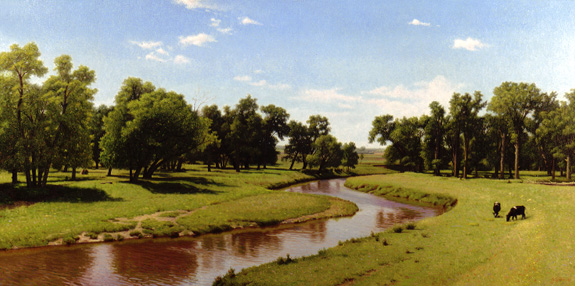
465, 246
98, 208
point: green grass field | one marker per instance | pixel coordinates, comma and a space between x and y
464, 246
171, 204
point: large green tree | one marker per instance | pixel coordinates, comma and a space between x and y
434, 140
327, 152
464, 111
19, 65
515, 102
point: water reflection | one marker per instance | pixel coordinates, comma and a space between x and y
197, 261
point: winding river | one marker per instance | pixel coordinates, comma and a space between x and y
197, 261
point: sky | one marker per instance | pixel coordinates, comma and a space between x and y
348, 60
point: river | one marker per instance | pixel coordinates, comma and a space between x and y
197, 261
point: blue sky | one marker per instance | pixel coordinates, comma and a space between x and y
347, 60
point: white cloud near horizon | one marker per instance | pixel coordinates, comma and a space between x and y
147, 45
154, 57
181, 60
416, 22
248, 21
469, 44
196, 4
243, 78
216, 24
197, 40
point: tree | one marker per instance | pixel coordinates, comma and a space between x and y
434, 137
20, 64
464, 111
405, 136
70, 107
114, 144
149, 127
350, 157
327, 152
97, 131
302, 138
515, 102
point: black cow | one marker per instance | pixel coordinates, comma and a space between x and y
515, 211
496, 209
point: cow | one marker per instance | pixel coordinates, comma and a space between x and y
515, 211
496, 209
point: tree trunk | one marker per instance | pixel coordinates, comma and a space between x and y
517, 146
73, 173
502, 162
465, 157
568, 168
109, 171
14, 177
553, 170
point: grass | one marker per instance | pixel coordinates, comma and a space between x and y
209, 201
465, 246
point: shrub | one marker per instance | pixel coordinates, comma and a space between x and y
136, 233
397, 229
91, 235
282, 261
108, 237
410, 225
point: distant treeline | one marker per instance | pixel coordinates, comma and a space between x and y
55, 125
522, 129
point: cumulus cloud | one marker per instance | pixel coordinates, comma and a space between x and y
243, 78
180, 59
147, 45
416, 22
155, 57
248, 21
196, 4
162, 52
469, 44
197, 40
412, 101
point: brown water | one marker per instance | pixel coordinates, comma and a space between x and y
197, 261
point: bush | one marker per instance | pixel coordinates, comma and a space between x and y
397, 229
410, 225
108, 237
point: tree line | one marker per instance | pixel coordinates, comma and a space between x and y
56, 125
521, 128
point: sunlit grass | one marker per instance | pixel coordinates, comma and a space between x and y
465, 246
90, 204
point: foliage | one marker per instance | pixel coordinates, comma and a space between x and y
327, 152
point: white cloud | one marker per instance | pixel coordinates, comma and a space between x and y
179, 59
469, 44
197, 40
215, 22
328, 96
147, 45
162, 52
259, 83
258, 71
227, 31
279, 86
154, 57
196, 4
412, 101
248, 21
243, 78
416, 22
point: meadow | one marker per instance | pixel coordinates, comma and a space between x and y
465, 246
97, 207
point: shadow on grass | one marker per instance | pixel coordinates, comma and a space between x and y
10, 194
175, 185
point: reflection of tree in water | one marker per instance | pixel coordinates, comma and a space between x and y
58, 266
250, 244
168, 263
385, 219
317, 230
